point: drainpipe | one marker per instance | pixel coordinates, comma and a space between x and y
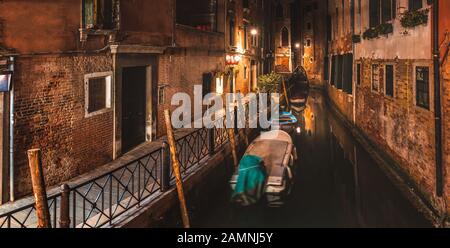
11, 137
174, 22
437, 100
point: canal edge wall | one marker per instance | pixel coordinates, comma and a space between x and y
163, 211
393, 170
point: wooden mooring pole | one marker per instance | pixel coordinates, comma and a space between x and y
176, 169
38, 183
285, 94
233, 146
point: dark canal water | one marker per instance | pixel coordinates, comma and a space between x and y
337, 185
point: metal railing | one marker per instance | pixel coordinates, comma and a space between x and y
96, 202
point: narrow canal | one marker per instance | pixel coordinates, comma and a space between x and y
337, 185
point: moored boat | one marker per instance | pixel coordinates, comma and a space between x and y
273, 154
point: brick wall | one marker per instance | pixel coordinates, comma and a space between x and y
49, 114
180, 72
402, 129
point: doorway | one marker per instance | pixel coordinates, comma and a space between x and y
133, 107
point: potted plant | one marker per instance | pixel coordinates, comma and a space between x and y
356, 38
370, 33
415, 18
385, 28
269, 83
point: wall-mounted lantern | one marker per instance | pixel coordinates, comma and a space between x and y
232, 59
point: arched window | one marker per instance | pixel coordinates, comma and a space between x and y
284, 37
280, 11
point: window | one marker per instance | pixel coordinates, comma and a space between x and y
388, 10
280, 11
358, 74
376, 77
382, 11
245, 72
245, 4
329, 29
340, 67
352, 16
308, 8
232, 31
308, 26
254, 40
284, 37
308, 42
245, 36
219, 85
347, 76
336, 31
389, 80
97, 93
414, 5
207, 82
423, 87
98, 14
374, 13
333, 70
161, 95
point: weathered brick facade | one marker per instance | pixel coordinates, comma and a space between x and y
54, 57
49, 79
50, 115
396, 124
402, 129
313, 17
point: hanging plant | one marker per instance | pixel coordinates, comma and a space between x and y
375, 32
268, 83
370, 33
385, 28
356, 38
414, 18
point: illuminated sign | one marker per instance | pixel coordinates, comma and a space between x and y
232, 59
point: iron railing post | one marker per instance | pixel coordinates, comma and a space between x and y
236, 130
165, 167
64, 211
211, 141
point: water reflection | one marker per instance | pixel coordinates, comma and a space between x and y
337, 185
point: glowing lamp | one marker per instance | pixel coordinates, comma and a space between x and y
232, 59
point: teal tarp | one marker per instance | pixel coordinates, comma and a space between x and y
250, 181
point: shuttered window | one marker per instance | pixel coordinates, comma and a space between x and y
98, 14
340, 67
389, 79
347, 77
414, 5
374, 13
423, 87
333, 70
